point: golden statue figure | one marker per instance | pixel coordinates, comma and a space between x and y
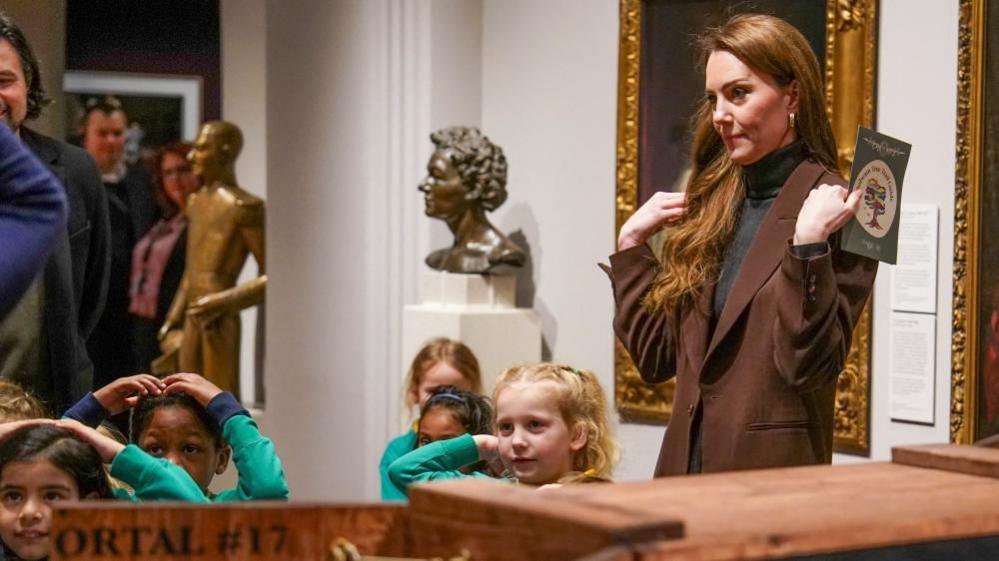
225, 224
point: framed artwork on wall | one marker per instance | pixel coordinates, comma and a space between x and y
160, 108
659, 86
975, 344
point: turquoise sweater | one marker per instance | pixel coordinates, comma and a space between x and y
258, 465
152, 478
397, 448
436, 461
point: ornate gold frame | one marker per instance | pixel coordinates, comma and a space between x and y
967, 217
851, 32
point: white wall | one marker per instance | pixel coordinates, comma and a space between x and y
353, 89
917, 102
320, 121
549, 98
244, 102
349, 89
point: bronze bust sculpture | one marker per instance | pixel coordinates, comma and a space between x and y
466, 177
225, 225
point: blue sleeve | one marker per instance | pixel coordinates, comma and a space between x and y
223, 407
88, 411
33, 209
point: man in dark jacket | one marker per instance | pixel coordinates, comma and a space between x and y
43, 339
132, 211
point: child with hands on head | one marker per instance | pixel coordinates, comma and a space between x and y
191, 422
44, 463
441, 362
550, 428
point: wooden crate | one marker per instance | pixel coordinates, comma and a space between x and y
940, 502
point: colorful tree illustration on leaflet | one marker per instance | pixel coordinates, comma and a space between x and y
874, 198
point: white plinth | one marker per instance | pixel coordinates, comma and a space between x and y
479, 311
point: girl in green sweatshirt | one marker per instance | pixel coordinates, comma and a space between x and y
441, 362
450, 415
44, 463
189, 421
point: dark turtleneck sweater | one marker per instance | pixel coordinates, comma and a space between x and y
763, 181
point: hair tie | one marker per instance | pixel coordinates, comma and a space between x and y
590, 473
449, 395
572, 369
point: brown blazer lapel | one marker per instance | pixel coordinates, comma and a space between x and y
767, 249
696, 327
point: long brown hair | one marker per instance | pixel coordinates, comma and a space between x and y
694, 248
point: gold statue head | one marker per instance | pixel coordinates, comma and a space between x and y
213, 157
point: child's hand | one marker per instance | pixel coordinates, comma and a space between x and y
107, 447
124, 393
7, 429
193, 385
488, 446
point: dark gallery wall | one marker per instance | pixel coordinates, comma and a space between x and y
175, 37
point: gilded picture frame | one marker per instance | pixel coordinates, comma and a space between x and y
973, 370
850, 58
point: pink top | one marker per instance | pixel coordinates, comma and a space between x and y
149, 259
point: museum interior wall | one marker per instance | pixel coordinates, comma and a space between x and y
346, 152
336, 101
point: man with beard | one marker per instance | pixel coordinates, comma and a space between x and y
43, 338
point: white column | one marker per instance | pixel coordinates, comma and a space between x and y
244, 102
349, 111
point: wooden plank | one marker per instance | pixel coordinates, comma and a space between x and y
762, 514
245, 531
774, 514
972, 460
495, 521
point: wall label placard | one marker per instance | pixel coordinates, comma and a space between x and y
914, 276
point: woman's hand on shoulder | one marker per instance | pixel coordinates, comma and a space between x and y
661, 209
826, 209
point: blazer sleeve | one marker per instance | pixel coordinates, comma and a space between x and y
647, 336
821, 299
33, 209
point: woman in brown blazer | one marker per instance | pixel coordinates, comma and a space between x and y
751, 304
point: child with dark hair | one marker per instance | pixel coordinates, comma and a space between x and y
441, 362
188, 420
448, 413
44, 463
